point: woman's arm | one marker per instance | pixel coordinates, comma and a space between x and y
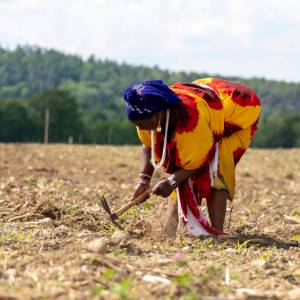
164, 187
146, 167
181, 175
146, 172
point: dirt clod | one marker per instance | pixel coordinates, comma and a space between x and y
120, 237
99, 245
63, 230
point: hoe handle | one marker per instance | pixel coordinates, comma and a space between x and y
133, 202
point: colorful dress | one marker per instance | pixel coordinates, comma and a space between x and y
217, 119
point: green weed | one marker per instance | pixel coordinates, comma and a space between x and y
243, 248
110, 229
123, 289
183, 280
133, 212
67, 209
55, 275
96, 290
252, 207
71, 194
146, 206
11, 236
296, 213
191, 296
31, 182
108, 274
267, 255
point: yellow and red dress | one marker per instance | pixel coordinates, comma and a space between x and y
211, 112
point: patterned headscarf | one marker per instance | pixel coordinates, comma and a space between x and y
146, 98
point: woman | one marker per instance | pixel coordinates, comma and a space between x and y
197, 132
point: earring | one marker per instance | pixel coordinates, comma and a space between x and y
158, 129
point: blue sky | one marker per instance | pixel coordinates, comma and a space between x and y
229, 37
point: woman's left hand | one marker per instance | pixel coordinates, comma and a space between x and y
162, 188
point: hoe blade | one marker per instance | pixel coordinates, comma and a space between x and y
103, 203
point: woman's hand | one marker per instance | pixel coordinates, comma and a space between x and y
162, 188
139, 189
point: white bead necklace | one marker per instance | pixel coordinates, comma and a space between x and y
163, 158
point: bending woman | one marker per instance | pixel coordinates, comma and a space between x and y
197, 132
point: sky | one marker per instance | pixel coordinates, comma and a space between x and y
246, 38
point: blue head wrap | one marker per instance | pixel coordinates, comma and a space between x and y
146, 98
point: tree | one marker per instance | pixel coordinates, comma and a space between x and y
15, 123
65, 120
281, 129
116, 132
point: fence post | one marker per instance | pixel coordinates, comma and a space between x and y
46, 131
109, 138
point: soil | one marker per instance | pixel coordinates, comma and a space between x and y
49, 214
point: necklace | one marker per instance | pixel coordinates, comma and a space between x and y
163, 158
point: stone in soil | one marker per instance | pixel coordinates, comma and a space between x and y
98, 245
120, 237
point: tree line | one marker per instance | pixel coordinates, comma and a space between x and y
24, 121
84, 98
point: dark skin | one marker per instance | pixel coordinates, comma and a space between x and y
217, 206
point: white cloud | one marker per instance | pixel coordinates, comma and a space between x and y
248, 38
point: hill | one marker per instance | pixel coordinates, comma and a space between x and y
97, 85
27, 71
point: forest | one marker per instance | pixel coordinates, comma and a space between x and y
84, 97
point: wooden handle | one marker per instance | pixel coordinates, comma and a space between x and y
133, 202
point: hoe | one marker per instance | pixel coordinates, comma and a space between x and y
114, 216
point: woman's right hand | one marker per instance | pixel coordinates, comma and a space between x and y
139, 189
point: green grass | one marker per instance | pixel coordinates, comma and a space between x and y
123, 289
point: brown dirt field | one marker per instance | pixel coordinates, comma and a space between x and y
50, 260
